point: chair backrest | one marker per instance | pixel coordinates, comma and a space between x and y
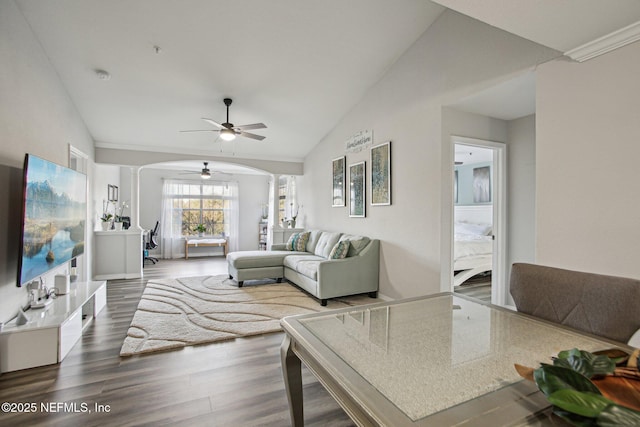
602, 305
152, 237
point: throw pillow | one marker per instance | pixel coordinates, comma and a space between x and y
298, 242
340, 250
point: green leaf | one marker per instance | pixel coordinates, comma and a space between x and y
603, 365
551, 378
577, 402
566, 353
581, 364
564, 363
588, 364
616, 415
575, 419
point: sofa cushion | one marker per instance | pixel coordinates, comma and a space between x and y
357, 243
306, 265
340, 250
298, 242
314, 236
257, 259
326, 243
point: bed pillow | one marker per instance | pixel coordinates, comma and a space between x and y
298, 242
340, 250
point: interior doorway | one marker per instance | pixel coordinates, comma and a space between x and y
479, 215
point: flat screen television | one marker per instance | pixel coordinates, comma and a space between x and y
54, 216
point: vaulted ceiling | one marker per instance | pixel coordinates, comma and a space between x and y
297, 66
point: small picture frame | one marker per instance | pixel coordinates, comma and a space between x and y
112, 193
381, 174
338, 187
357, 190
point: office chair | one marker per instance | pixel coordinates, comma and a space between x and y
151, 244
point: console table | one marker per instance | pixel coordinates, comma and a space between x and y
52, 331
429, 361
195, 242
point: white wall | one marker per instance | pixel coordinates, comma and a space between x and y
105, 175
588, 146
521, 191
38, 117
457, 56
253, 192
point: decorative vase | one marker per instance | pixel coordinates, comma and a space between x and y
292, 223
117, 226
106, 225
200, 233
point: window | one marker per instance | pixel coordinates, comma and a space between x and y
287, 198
282, 198
200, 203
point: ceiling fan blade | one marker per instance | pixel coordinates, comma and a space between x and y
252, 135
201, 130
213, 122
251, 126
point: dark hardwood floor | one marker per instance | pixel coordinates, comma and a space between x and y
232, 383
478, 287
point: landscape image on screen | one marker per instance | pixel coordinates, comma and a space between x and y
55, 207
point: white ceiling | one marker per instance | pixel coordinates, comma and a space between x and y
297, 66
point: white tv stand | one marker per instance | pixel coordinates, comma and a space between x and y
52, 331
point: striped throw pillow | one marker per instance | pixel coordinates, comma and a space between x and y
340, 250
298, 242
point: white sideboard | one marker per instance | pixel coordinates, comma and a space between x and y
281, 235
118, 254
51, 332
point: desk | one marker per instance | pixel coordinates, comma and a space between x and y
431, 361
203, 241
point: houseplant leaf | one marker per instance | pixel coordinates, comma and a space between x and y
581, 403
551, 378
616, 415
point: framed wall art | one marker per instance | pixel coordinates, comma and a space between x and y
338, 174
482, 185
112, 193
357, 190
381, 174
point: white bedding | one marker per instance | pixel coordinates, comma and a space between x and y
472, 250
469, 245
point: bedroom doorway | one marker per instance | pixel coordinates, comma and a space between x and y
478, 241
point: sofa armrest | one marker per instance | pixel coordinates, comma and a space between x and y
352, 275
279, 247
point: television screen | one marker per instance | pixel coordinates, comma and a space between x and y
54, 217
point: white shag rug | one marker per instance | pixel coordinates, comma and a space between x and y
174, 313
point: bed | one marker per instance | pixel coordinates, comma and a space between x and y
473, 242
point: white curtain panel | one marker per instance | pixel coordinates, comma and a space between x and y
171, 242
171, 238
234, 219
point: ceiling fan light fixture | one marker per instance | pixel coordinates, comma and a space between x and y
227, 134
205, 175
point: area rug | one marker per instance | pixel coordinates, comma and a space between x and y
175, 313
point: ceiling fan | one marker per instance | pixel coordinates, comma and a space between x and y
228, 131
205, 173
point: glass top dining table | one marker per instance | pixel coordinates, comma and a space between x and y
436, 360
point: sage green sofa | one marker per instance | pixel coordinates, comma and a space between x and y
311, 269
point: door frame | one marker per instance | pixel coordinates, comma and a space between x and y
499, 289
